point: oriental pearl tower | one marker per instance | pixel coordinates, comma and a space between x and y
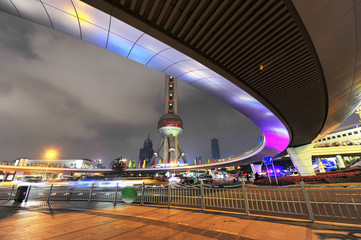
170, 125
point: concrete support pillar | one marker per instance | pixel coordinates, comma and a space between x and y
340, 162
256, 168
302, 159
172, 149
166, 151
321, 168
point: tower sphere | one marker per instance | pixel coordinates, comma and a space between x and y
170, 124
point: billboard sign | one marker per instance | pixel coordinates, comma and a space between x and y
267, 160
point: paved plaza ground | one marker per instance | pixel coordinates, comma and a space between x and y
82, 220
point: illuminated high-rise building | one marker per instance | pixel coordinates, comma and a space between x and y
215, 149
199, 160
170, 125
146, 153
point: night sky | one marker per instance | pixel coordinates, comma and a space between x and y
58, 92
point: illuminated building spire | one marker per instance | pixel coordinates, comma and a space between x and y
170, 125
171, 103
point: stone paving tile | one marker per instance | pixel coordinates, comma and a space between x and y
187, 235
158, 213
227, 236
18, 217
130, 210
42, 235
104, 221
16, 236
109, 230
53, 223
189, 218
327, 234
210, 233
45, 228
148, 232
161, 222
296, 232
227, 224
269, 231
350, 233
283, 233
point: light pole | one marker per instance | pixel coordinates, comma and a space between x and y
50, 154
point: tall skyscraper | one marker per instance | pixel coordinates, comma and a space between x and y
199, 159
170, 125
215, 149
146, 153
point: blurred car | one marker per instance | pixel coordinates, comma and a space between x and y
233, 177
93, 178
173, 178
29, 178
187, 180
160, 178
68, 179
33, 180
294, 173
206, 178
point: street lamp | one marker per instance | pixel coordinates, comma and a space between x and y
50, 154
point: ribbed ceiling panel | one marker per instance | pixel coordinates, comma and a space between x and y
239, 37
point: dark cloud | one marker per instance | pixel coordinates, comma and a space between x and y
205, 117
15, 35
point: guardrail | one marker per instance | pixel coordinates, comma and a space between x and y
299, 201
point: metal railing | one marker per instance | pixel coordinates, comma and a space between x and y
298, 201
343, 203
